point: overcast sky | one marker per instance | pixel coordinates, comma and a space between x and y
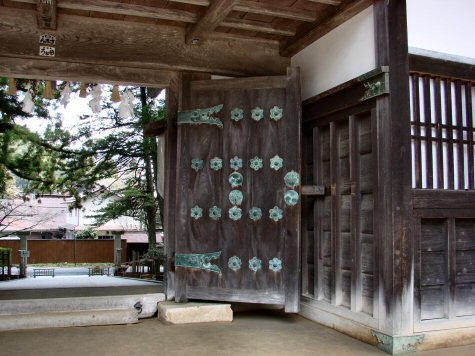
446, 26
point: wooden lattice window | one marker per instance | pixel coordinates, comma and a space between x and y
442, 118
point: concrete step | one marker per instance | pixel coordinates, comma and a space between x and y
196, 312
145, 304
68, 318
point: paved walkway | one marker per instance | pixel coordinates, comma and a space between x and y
63, 286
251, 333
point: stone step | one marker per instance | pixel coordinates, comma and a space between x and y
68, 318
176, 313
145, 304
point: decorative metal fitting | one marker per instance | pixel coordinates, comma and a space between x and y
257, 114
235, 179
197, 164
255, 213
255, 264
216, 163
276, 113
235, 163
276, 163
237, 114
196, 212
256, 163
201, 116
275, 264
235, 213
215, 213
235, 263
235, 197
198, 261
292, 179
291, 197
275, 213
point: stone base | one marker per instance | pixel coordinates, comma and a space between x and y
65, 319
177, 313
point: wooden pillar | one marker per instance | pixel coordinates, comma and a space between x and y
393, 205
172, 106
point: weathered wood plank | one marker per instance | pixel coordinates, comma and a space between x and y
443, 199
335, 215
452, 268
241, 83
106, 42
318, 214
356, 251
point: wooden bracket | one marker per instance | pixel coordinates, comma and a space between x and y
46, 14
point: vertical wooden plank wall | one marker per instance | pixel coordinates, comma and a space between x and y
338, 242
444, 203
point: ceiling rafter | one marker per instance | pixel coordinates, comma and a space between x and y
214, 15
250, 25
124, 9
260, 8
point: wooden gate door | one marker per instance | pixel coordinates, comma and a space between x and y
238, 191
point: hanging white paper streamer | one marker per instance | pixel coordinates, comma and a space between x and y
28, 105
126, 105
65, 95
95, 102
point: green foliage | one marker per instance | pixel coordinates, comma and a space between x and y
88, 234
88, 162
155, 253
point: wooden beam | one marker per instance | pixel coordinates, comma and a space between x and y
327, 2
217, 12
79, 72
309, 33
257, 27
46, 14
193, 2
123, 9
95, 41
260, 8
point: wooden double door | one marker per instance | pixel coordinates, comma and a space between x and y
237, 211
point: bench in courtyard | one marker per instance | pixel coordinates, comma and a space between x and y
99, 271
43, 272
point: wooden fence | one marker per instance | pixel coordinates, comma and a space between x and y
73, 251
